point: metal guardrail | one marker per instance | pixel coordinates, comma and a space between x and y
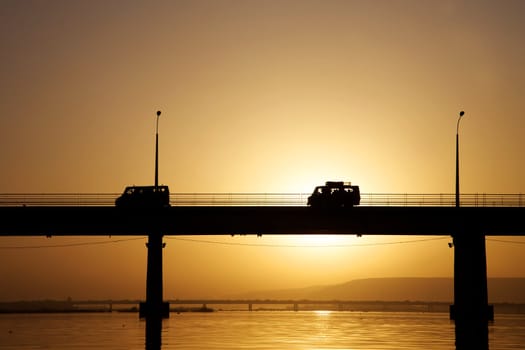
58, 199
238, 199
444, 199
267, 199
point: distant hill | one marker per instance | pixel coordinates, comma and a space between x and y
511, 290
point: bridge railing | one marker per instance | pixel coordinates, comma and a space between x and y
443, 199
238, 199
268, 199
58, 199
367, 199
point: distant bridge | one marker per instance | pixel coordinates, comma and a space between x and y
292, 305
285, 304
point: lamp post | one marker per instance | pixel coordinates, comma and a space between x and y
154, 309
471, 311
157, 152
461, 114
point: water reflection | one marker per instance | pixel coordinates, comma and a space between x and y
153, 333
236, 330
325, 328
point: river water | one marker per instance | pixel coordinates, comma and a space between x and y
305, 330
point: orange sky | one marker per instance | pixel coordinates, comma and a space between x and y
257, 96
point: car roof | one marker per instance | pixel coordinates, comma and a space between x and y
143, 187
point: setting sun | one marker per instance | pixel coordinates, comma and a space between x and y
320, 241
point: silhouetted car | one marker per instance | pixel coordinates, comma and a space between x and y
335, 194
144, 197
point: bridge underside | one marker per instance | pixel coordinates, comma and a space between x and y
55, 221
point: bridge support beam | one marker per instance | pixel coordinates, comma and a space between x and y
470, 312
154, 307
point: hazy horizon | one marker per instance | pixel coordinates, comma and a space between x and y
392, 289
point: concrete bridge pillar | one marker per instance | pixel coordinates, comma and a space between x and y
470, 312
154, 306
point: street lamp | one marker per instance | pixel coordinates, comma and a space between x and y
461, 114
157, 152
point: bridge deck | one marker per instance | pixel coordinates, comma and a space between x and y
215, 220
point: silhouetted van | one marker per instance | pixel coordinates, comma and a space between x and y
145, 197
335, 194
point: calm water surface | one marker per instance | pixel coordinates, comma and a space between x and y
306, 330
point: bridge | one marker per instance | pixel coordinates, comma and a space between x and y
261, 213
256, 213
276, 214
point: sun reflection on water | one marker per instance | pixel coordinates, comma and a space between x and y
323, 313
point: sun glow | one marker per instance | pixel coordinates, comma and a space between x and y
321, 240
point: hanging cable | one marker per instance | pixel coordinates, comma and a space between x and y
504, 241
65, 245
304, 246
